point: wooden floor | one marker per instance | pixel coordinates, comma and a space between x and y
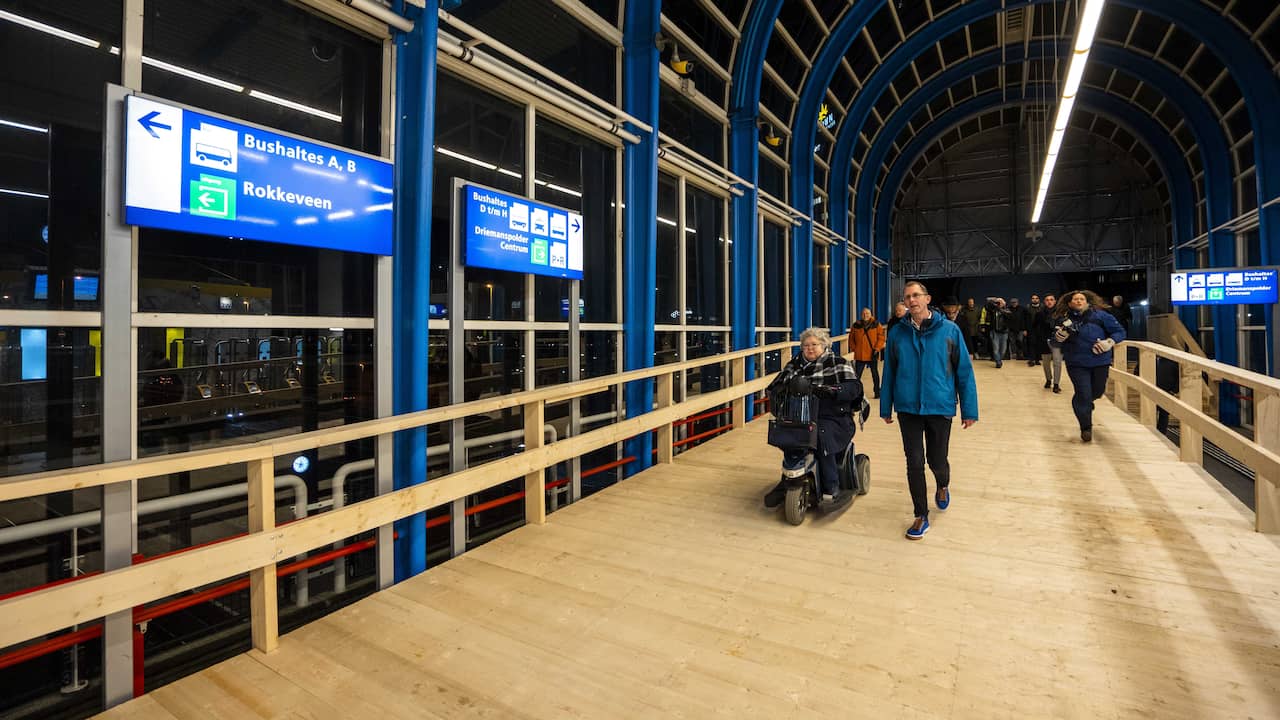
1066, 581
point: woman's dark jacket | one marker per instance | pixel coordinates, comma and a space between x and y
1094, 325
835, 415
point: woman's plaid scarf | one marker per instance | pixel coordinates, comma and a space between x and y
828, 369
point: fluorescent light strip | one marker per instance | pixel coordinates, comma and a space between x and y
466, 158
296, 106
21, 126
1085, 30
24, 193
176, 70
49, 29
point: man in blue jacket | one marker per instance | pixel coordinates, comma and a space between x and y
926, 369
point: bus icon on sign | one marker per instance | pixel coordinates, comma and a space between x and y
214, 153
214, 147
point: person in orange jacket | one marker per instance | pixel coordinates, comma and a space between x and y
866, 341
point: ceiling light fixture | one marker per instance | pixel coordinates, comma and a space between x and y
296, 106
179, 70
1087, 28
49, 29
23, 126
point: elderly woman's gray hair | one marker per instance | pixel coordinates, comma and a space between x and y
817, 334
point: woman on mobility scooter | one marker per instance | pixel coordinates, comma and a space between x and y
814, 400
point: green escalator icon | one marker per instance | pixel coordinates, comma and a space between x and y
213, 196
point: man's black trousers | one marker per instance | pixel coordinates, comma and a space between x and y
925, 436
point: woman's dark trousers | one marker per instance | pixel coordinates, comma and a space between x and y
1090, 383
925, 436
873, 363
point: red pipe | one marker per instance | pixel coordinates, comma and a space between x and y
139, 663
47, 585
44, 647
703, 416
699, 436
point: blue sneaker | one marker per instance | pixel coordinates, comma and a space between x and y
918, 529
943, 498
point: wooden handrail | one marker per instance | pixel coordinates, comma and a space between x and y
44, 611
1262, 453
35, 484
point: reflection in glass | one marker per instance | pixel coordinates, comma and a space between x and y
577, 173
706, 258
774, 269
551, 358
821, 276
50, 398
667, 302
204, 387
480, 139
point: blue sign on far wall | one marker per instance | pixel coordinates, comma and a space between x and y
511, 232
193, 172
1232, 286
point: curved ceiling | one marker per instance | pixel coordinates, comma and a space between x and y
854, 41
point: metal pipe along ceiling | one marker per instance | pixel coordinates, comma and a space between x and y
381, 12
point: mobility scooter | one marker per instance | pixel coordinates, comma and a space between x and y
793, 429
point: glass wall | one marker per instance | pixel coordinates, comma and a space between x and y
775, 273
706, 259
821, 285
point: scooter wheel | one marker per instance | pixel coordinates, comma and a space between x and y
864, 474
795, 505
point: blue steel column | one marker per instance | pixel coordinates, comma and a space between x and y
411, 267
744, 161
801, 278
744, 156
639, 219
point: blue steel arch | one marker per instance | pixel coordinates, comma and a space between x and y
640, 195
744, 161
1236, 51
1261, 88
1166, 153
864, 193
1208, 135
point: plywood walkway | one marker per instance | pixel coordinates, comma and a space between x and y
1067, 580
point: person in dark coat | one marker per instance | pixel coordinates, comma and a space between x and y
1029, 333
1050, 356
835, 384
1121, 312
1087, 334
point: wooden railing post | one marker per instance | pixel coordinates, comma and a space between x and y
1266, 432
262, 581
1190, 389
1120, 364
663, 394
535, 496
737, 376
1147, 371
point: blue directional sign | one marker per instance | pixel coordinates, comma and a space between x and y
511, 232
194, 172
1233, 286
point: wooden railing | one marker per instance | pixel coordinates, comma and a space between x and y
256, 553
1261, 454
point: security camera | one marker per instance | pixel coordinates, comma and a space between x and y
683, 68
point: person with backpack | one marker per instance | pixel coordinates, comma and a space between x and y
1087, 334
866, 341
